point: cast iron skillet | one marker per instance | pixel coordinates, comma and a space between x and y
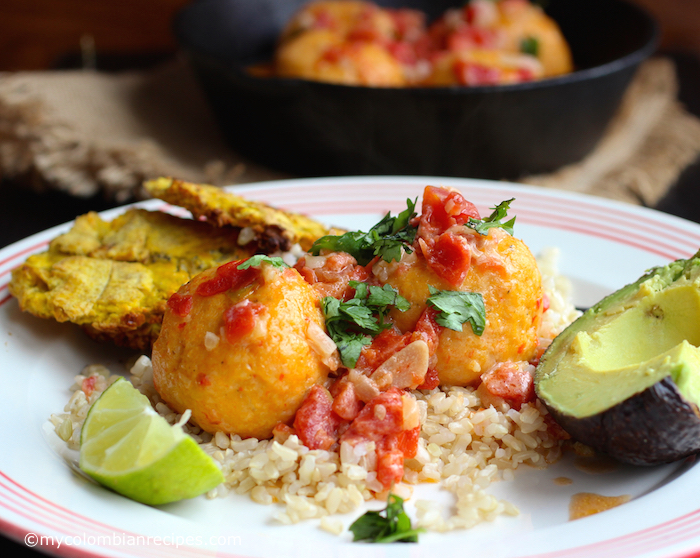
498, 132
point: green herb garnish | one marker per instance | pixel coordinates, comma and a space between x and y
482, 226
388, 239
530, 45
257, 260
458, 307
392, 524
353, 323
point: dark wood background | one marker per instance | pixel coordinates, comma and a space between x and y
36, 34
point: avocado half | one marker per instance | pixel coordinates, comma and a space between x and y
625, 377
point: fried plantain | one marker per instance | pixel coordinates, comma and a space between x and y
273, 229
114, 278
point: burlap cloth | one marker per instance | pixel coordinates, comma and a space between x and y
87, 132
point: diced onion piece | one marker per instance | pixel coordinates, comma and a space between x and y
314, 262
411, 412
365, 388
406, 368
211, 340
322, 345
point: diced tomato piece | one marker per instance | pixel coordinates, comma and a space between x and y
373, 424
435, 38
443, 208
450, 258
434, 216
346, 404
525, 74
332, 278
511, 382
381, 422
468, 37
389, 467
512, 8
459, 41
365, 33
409, 23
181, 305
402, 51
431, 380
383, 346
428, 329
315, 423
282, 432
239, 319
334, 54
408, 442
324, 20
470, 13
88, 385
228, 277
470, 73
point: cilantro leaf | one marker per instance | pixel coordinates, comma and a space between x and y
352, 324
530, 45
389, 525
355, 243
350, 346
386, 296
258, 259
389, 238
360, 315
482, 226
369, 526
458, 307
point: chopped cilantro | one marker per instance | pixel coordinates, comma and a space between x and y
340, 316
392, 524
389, 238
353, 323
458, 307
530, 45
482, 226
383, 297
257, 260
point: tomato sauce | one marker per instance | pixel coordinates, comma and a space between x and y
239, 319
329, 417
181, 305
228, 277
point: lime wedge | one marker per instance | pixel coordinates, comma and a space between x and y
128, 447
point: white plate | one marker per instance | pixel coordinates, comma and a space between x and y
604, 245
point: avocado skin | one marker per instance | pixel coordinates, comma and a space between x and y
655, 426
